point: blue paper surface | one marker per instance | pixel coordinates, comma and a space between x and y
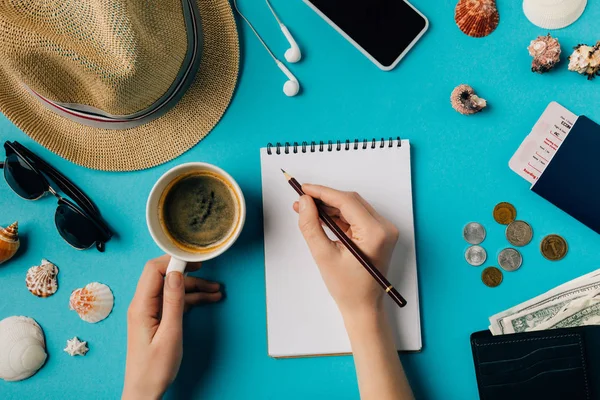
460, 172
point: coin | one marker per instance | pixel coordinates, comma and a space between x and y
510, 259
519, 233
505, 213
475, 255
554, 247
474, 233
491, 276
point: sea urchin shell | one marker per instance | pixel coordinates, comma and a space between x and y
476, 18
586, 60
545, 51
465, 101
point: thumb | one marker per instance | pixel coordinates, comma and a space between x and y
173, 303
310, 226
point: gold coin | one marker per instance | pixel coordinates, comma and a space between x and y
491, 276
505, 213
554, 247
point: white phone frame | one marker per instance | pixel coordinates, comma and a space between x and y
361, 49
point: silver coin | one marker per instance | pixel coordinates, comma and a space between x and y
475, 255
510, 259
474, 233
519, 233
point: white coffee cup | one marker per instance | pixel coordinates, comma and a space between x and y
179, 256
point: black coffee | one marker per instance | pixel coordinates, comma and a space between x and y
199, 210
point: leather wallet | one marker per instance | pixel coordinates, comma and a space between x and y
555, 364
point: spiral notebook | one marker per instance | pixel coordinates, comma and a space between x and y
302, 318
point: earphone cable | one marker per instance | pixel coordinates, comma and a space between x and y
254, 30
273, 11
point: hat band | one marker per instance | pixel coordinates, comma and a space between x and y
94, 117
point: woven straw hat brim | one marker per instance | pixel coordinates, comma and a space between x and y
152, 144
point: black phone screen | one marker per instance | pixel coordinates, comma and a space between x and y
383, 28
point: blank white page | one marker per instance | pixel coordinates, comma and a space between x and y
302, 318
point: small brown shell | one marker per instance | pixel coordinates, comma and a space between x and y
9, 242
476, 18
42, 280
545, 51
465, 101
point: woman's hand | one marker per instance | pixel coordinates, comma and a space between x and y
357, 294
349, 283
155, 326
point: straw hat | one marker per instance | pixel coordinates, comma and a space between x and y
117, 85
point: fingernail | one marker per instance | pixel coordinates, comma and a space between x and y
174, 280
303, 201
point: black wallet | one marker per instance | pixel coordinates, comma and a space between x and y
555, 364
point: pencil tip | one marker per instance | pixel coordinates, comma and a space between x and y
283, 171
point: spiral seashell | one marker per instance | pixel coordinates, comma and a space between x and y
545, 51
477, 18
465, 101
22, 348
9, 242
42, 280
553, 14
93, 303
586, 60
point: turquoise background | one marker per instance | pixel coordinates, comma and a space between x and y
460, 172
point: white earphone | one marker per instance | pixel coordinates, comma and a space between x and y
292, 55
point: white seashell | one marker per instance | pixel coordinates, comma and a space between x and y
586, 60
41, 280
22, 348
76, 347
553, 14
93, 303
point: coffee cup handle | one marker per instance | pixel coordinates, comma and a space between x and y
175, 264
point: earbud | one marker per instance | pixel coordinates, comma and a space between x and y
293, 54
292, 86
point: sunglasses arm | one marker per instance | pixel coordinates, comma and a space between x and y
1, 164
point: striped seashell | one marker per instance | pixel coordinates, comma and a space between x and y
93, 303
477, 18
9, 242
42, 280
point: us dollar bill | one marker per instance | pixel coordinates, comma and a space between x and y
544, 304
529, 319
584, 311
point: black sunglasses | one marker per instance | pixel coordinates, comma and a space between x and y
79, 223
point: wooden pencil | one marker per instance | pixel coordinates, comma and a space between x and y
349, 244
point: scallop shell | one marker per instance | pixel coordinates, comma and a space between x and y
93, 303
22, 348
465, 101
9, 242
586, 60
477, 18
553, 14
545, 51
41, 280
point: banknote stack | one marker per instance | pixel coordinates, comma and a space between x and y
575, 303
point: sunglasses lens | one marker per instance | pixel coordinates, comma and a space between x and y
75, 228
22, 179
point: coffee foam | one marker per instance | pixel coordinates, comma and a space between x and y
199, 211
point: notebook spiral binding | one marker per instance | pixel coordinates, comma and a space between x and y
338, 145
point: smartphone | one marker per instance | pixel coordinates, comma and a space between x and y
383, 30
